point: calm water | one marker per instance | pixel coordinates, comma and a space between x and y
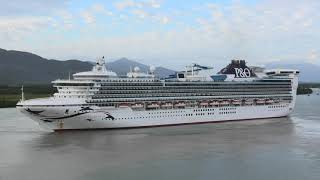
287, 148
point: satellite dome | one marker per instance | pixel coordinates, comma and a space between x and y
152, 69
136, 69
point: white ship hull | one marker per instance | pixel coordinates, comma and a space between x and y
56, 118
99, 99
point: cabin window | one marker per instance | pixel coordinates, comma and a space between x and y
181, 75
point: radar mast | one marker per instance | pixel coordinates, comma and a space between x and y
100, 65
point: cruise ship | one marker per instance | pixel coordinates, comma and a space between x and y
100, 99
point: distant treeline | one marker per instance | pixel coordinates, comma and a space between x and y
305, 88
10, 95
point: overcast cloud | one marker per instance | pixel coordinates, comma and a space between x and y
164, 31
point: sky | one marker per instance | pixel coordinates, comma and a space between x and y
170, 33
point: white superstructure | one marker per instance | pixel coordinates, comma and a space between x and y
101, 99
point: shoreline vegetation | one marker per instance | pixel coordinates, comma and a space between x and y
306, 88
10, 95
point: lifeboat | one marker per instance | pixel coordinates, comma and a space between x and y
166, 105
180, 104
153, 105
260, 101
236, 102
224, 102
214, 103
137, 106
269, 101
276, 100
192, 103
204, 103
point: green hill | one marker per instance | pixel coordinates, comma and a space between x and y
17, 67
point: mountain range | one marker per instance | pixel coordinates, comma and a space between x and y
17, 67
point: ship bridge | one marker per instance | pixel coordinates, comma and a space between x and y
99, 71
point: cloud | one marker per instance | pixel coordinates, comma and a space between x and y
140, 13
263, 32
16, 28
100, 8
88, 17
154, 3
313, 56
29, 7
89, 14
267, 30
66, 20
20, 19
124, 4
156, 17
23, 21
161, 19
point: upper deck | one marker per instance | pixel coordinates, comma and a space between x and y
197, 83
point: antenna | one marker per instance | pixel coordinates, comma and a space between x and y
22, 94
192, 70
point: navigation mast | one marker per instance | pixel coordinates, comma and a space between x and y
22, 94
